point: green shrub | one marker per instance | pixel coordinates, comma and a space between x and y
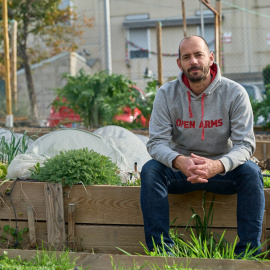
266, 75
3, 171
97, 98
79, 166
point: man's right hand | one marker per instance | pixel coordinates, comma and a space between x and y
184, 163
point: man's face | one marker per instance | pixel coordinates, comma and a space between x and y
195, 59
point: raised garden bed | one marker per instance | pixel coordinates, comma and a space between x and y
102, 218
103, 261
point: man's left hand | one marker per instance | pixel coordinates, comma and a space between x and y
210, 167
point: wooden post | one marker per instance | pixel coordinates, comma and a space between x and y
32, 228
54, 204
159, 52
217, 28
71, 226
14, 64
219, 10
184, 18
9, 116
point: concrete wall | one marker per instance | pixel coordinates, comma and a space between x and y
47, 75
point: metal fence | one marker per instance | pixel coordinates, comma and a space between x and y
245, 51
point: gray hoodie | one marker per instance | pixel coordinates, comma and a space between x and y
217, 124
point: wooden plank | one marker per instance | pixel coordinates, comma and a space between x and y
55, 214
121, 205
105, 204
104, 261
262, 151
116, 205
31, 226
71, 226
106, 239
23, 195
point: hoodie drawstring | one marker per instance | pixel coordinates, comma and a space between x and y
189, 105
202, 101
202, 112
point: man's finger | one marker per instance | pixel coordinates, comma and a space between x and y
198, 161
196, 156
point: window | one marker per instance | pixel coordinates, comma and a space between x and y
139, 42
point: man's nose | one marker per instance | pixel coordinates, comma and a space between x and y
193, 60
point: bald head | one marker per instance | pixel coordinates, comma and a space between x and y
195, 38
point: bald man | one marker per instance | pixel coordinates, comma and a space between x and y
201, 138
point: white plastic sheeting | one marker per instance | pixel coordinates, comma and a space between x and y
122, 146
10, 135
131, 146
143, 138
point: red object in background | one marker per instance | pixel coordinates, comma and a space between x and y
127, 115
66, 116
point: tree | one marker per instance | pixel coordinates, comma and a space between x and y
51, 29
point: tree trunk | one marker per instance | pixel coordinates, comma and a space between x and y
30, 84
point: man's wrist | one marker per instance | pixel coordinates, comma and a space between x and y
176, 161
220, 167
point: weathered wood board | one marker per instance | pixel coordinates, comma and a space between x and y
106, 217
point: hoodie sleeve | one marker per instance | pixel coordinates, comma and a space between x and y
242, 133
160, 129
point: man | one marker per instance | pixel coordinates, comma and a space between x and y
201, 138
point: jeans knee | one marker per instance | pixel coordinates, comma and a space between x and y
250, 172
151, 171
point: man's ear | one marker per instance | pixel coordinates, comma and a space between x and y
211, 55
179, 64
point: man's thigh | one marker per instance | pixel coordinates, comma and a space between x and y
219, 184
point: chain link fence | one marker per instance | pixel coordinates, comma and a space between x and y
245, 51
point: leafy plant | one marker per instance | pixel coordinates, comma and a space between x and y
146, 106
35, 171
12, 147
266, 75
3, 171
266, 178
16, 235
97, 98
79, 166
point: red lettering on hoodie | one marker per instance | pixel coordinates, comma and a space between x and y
220, 123
211, 124
186, 124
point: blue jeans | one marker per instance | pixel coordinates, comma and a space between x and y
157, 180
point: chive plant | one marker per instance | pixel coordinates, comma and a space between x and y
9, 148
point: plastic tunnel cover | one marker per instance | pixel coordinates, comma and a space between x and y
52, 143
131, 146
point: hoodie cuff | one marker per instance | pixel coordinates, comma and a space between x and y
227, 164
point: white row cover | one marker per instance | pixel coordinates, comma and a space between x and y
122, 146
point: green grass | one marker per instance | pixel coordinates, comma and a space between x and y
45, 260
266, 179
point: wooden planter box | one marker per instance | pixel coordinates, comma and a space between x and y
102, 218
103, 261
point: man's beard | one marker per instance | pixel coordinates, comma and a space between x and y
197, 78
